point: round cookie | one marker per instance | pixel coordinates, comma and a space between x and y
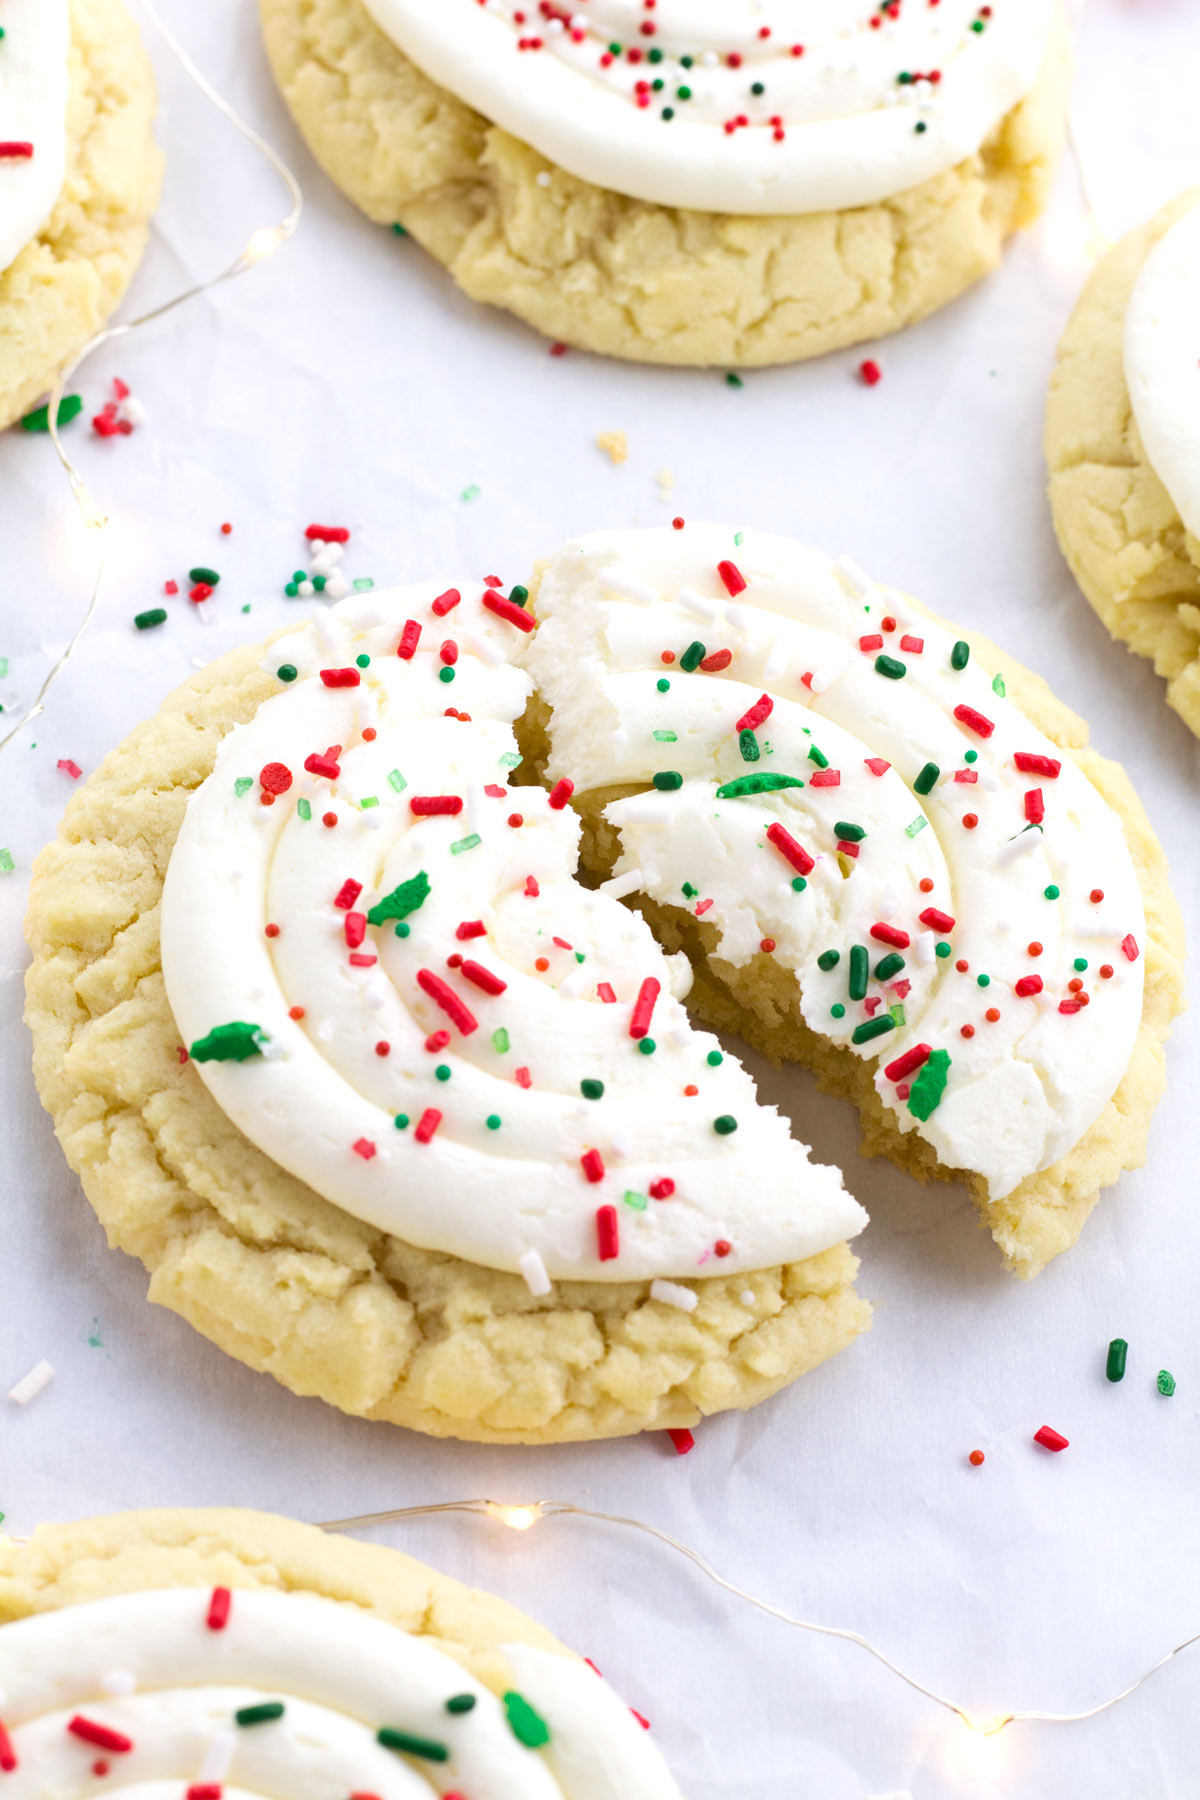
449, 1343
886, 849
67, 280
1119, 528
627, 277
237, 1649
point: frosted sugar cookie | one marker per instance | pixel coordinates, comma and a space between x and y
885, 848
79, 178
388, 1103
219, 1653
683, 183
1123, 446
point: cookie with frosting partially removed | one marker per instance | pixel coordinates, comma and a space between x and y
687, 183
388, 1102
79, 179
210, 1653
1123, 446
885, 848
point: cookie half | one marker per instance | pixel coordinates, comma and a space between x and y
943, 137
226, 1651
68, 251
1123, 446
387, 1102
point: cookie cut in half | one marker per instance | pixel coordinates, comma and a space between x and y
210, 1653
79, 180
387, 1101
1123, 446
726, 183
885, 848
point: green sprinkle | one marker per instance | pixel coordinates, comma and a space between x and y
942, 949
409, 1744
887, 966
860, 967
511, 759
926, 779
1051, 893
1080, 964
291, 590
526, 1725
632, 1198
1114, 1366
970, 756
518, 595
402, 900
853, 834
591, 1089
402, 931
443, 1071
145, 621
897, 1012
725, 1124
446, 674
363, 661
747, 744
399, 230
7, 865
467, 843
872, 1028
500, 1040
662, 684
930, 1085
757, 784
243, 784
1166, 1382
693, 656
837, 1010
647, 1046
363, 582
367, 802
69, 407
798, 884
287, 672
470, 493
960, 656
493, 1124
732, 380
667, 780
829, 959
714, 1059
234, 1042
739, 537
304, 808
666, 737
688, 891
983, 981
401, 1121
889, 666
818, 756
998, 686
262, 1714
209, 577
917, 825
462, 1703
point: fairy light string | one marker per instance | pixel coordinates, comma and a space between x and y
262, 243
524, 1517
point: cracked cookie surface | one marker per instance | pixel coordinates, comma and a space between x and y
281, 1278
67, 280
1119, 529
623, 277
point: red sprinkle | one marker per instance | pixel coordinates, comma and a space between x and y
1129, 947
427, 1124
275, 777
967, 715
363, 1147
870, 371
608, 1238
720, 659
471, 928
877, 765
560, 793
976, 1459
913, 645
788, 848
326, 765
444, 602
410, 637
1028, 986
15, 149
731, 575
592, 1164
604, 992
662, 1189
72, 768
891, 934
8, 1756
1035, 806
483, 978
911, 1059
756, 715
1031, 764
443, 995
336, 678
355, 926
872, 641
682, 1439
936, 920
825, 778
203, 1790
328, 534
523, 1078
1050, 1439
643, 1007
427, 806
509, 610
347, 894
102, 1736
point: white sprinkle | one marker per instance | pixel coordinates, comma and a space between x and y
377, 991
628, 588
118, 1683
647, 809
622, 1144
856, 579
31, 1385
543, 175
777, 661
697, 605
618, 886
575, 983
336, 588
671, 1294
824, 677
305, 589
1025, 840
747, 1296
889, 903
924, 948
218, 1758
135, 412
738, 616
325, 1031
329, 635
486, 651
534, 1270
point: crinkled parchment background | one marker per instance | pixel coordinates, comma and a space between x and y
347, 381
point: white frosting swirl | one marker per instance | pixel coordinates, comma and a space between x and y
740, 106
151, 1685
547, 1129
1162, 362
33, 118
1026, 989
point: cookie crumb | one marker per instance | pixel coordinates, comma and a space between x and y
615, 446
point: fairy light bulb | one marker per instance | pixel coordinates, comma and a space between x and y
517, 1518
